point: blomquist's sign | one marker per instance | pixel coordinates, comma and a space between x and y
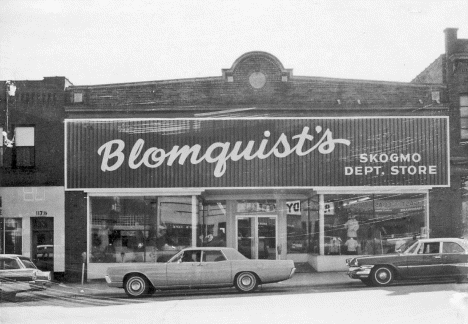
272, 152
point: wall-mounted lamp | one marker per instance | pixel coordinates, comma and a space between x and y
10, 91
338, 101
359, 101
420, 101
6, 141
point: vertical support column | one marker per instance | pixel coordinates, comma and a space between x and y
231, 223
194, 220
321, 224
428, 228
282, 244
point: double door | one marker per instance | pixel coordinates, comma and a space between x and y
257, 236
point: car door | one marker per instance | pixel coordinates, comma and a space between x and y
455, 259
185, 270
215, 269
427, 262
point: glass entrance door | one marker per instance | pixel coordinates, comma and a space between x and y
42, 243
257, 236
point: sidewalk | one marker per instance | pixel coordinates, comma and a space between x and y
100, 288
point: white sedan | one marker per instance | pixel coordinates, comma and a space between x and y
199, 268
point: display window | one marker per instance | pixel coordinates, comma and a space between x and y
372, 224
302, 216
212, 224
139, 229
11, 235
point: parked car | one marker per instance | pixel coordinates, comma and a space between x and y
199, 268
438, 258
18, 274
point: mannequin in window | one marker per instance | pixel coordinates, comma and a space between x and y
351, 245
335, 245
352, 225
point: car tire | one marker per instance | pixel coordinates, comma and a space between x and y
136, 286
382, 276
367, 282
246, 282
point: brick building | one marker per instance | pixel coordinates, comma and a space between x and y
32, 195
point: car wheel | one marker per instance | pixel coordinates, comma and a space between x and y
136, 286
246, 282
367, 282
382, 276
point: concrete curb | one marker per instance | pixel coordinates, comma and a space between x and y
100, 288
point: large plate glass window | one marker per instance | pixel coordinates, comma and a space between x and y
302, 218
212, 224
373, 224
139, 229
11, 236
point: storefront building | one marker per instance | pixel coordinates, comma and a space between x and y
274, 165
273, 188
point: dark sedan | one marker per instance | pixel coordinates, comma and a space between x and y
438, 258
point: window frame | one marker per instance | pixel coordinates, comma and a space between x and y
463, 109
31, 149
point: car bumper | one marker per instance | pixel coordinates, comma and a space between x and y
39, 284
359, 273
110, 283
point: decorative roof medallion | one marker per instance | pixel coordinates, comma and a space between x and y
257, 80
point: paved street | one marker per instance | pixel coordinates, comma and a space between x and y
317, 298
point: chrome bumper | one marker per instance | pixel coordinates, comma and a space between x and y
39, 284
111, 283
359, 273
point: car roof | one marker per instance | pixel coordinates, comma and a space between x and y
445, 239
208, 248
11, 255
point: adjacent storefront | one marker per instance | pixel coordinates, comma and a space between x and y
32, 223
309, 189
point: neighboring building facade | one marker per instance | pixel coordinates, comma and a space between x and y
32, 195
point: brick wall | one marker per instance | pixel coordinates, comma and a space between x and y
75, 233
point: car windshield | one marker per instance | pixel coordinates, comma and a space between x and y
28, 264
176, 257
408, 247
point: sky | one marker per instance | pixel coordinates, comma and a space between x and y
117, 41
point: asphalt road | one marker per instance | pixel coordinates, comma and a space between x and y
337, 293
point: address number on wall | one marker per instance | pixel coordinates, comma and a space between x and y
41, 213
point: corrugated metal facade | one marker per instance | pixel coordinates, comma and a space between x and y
424, 140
